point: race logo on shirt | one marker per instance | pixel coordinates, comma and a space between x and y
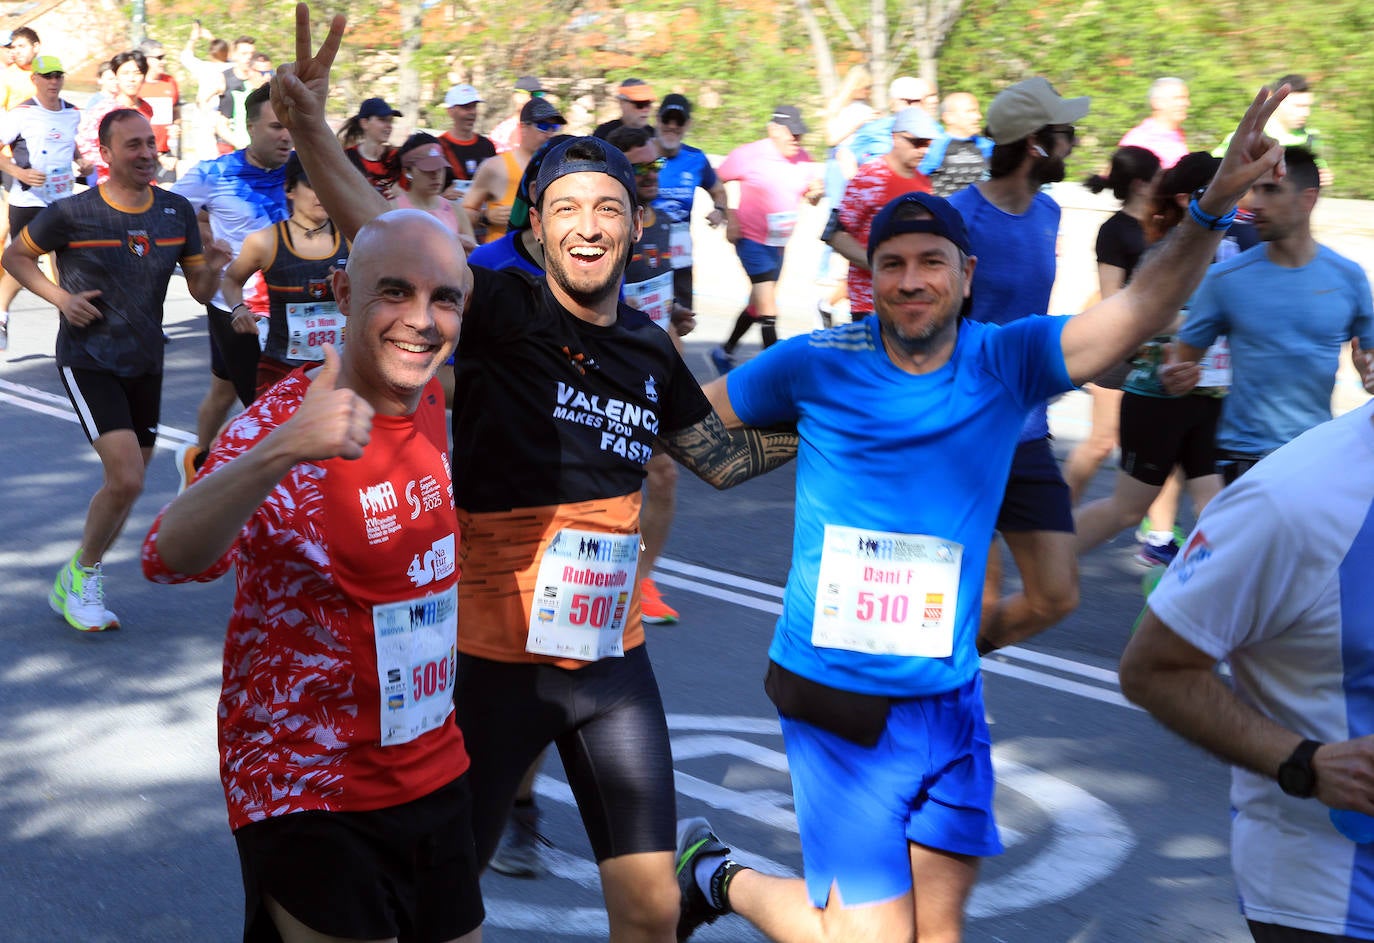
317, 289
139, 243
650, 389
424, 495
379, 503
437, 563
624, 425
1198, 552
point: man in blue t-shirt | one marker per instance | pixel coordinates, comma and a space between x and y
1013, 225
685, 169
908, 423
1287, 307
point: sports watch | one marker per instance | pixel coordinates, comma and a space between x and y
1296, 775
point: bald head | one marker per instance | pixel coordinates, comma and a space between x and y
404, 290
961, 115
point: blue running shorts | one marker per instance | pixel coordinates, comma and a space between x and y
761, 263
928, 780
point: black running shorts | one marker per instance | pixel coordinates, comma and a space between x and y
607, 721
407, 871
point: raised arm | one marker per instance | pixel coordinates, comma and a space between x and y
722, 452
1108, 331
300, 91
200, 526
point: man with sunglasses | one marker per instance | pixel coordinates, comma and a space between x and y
872, 187
636, 99
492, 194
41, 135
685, 169
1013, 226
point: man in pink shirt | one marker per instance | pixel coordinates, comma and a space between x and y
872, 187
1162, 132
774, 174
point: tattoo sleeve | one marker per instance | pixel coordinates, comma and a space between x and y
722, 458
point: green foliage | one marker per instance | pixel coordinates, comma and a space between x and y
1225, 50
736, 59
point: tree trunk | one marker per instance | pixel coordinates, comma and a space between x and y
408, 75
820, 48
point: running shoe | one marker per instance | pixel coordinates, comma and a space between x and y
1157, 554
186, 456
518, 854
654, 610
1142, 532
78, 595
721, 360
695, 841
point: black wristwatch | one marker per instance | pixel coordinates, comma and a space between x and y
1296, 776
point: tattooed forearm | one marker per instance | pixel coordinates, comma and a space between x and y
723, 459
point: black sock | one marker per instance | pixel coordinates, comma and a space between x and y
741, 327
770, 331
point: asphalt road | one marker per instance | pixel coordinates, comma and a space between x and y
112, 821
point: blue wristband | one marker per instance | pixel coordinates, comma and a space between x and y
1206, 220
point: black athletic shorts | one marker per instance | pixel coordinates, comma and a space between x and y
682, 286
407, 871
1036, 497
21, 216
1159, 432
233, 356
1274, 933
106, 403
606, 719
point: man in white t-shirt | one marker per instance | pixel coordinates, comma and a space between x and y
1275, 581
40, 132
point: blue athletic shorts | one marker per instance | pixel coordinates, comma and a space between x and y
761, 263
928, 780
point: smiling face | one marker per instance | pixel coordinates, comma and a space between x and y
588, 226
403, 292
131, 152
919, 286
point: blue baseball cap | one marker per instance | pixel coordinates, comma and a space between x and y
589, 155
944, 220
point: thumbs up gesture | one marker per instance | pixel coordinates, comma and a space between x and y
332, 421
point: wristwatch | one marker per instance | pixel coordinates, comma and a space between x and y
1296, 776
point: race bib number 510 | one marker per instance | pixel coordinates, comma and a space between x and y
884, 593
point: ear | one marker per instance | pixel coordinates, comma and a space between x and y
343, 293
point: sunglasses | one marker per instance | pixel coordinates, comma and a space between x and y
915, 141
548, 127
647, 167
1065, 129
51, 75
637, 104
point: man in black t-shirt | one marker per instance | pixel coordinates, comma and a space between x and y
117, 246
